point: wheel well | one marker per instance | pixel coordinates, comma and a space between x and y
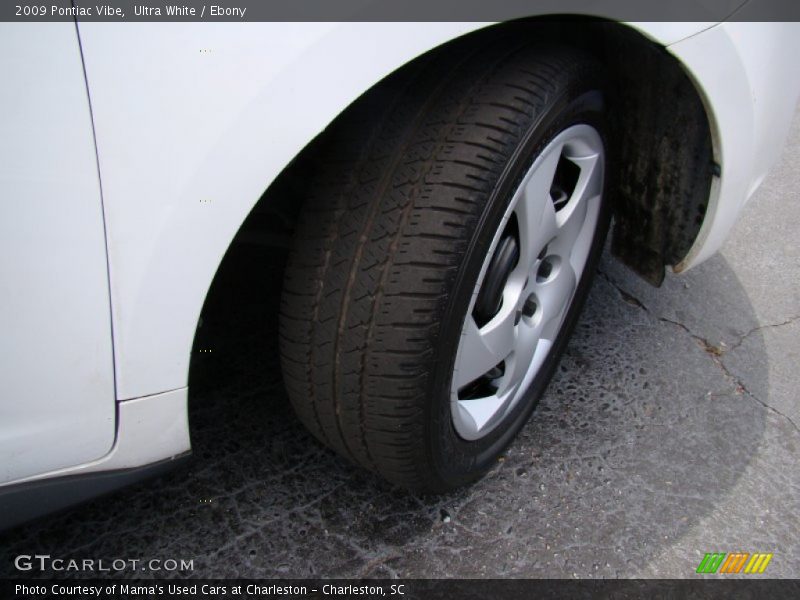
665, 159
662, 143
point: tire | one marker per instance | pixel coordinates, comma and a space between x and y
407, 219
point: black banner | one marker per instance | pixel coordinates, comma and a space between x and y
410, 589
393, 10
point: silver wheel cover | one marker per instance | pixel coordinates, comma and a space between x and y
555, 236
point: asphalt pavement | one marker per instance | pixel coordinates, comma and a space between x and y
670, 430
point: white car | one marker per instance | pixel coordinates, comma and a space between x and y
457, 182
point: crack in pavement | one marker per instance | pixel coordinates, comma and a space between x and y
714, 352
788, 321
627, 296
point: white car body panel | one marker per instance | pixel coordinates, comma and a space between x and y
152, 429
747, 76
56, 365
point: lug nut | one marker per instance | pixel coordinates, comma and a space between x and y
545, 269
529, 309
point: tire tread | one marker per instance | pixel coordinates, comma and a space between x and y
389, 213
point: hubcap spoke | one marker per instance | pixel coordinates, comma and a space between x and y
527, 340
480, 411
536, 215
554, 296
570, 227
483, 349
572, 218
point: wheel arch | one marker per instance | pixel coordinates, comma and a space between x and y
169, 232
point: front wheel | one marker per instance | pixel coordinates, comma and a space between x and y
442, 257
